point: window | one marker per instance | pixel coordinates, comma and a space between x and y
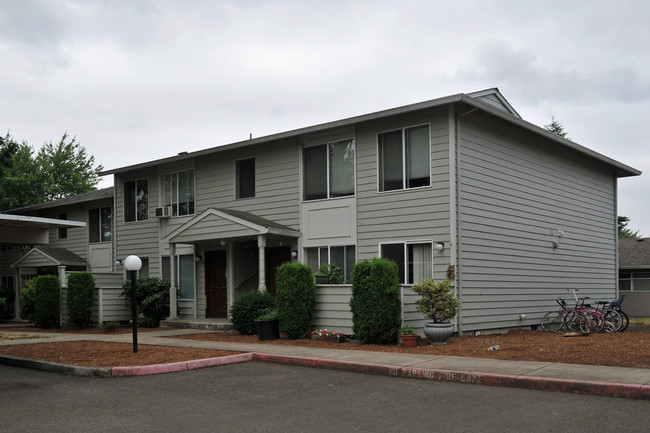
404, 158
413, 260
136, 200
62, 232
328, 170
245, 178
99, 225
343, 257
178, 192
184, 274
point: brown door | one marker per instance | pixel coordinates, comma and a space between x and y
275, 257
216, 291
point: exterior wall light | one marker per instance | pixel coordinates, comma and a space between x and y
440, 246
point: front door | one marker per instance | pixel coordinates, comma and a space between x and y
216, 290
275, 257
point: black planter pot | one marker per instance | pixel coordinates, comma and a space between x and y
268, 329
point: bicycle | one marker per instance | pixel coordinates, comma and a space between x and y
555, 321
584, 317
616, 305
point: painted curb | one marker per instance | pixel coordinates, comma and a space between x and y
635, 391
55, 367
173, 367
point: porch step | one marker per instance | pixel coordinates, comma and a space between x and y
206, 324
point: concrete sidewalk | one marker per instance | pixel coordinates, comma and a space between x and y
584, 379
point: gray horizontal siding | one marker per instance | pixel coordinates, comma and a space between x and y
276, 182
332, 309
412, 214
516, 190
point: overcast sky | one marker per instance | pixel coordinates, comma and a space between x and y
137, 80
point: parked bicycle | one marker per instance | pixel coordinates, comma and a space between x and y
606, 317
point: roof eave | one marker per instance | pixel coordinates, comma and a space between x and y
622, 170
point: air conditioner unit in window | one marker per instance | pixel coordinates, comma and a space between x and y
163, 212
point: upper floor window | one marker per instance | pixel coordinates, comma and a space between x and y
404, 158
414, 260
136, 200
328, 170
62, 232
245, 178
178, 192
100, 225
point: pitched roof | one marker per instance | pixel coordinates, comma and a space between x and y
50, 256
490, 101
79, 198
634, 253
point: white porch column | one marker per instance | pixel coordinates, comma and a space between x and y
261, 243
62, 283
18, 284
172, 277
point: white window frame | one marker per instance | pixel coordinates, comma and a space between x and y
405, 276
176, 205
328, 193
135, 203
238, 183
329, 257
405, 186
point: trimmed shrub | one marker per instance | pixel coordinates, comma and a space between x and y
7, 297
81, 291
47, 306
28, 300
375, 302
296, 299
152, 299
247, 308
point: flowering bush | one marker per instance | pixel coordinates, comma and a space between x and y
326, 333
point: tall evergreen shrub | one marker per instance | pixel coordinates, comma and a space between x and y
375, 303
296, 298
28, 300
247, 308
47, 305
152, 298
81, 291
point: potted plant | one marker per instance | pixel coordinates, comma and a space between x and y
438, 304
268, 325
408, 336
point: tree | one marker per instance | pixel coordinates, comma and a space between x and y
624, 232
556, 128
66, 169
55, 171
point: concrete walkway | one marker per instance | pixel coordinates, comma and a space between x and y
584, 379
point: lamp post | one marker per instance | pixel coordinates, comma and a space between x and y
133, 265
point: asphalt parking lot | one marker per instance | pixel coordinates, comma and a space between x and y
260, 397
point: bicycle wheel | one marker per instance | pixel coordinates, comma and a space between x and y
591, 322
626, 321
572, 321
552, 322
614, 318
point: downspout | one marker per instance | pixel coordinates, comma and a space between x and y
453, 211
617, 276
172, 286
455, 207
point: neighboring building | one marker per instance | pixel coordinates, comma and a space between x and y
457, 187
634, 275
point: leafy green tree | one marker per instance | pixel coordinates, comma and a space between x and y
624, 232
557, 128
66, 168
55, 171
